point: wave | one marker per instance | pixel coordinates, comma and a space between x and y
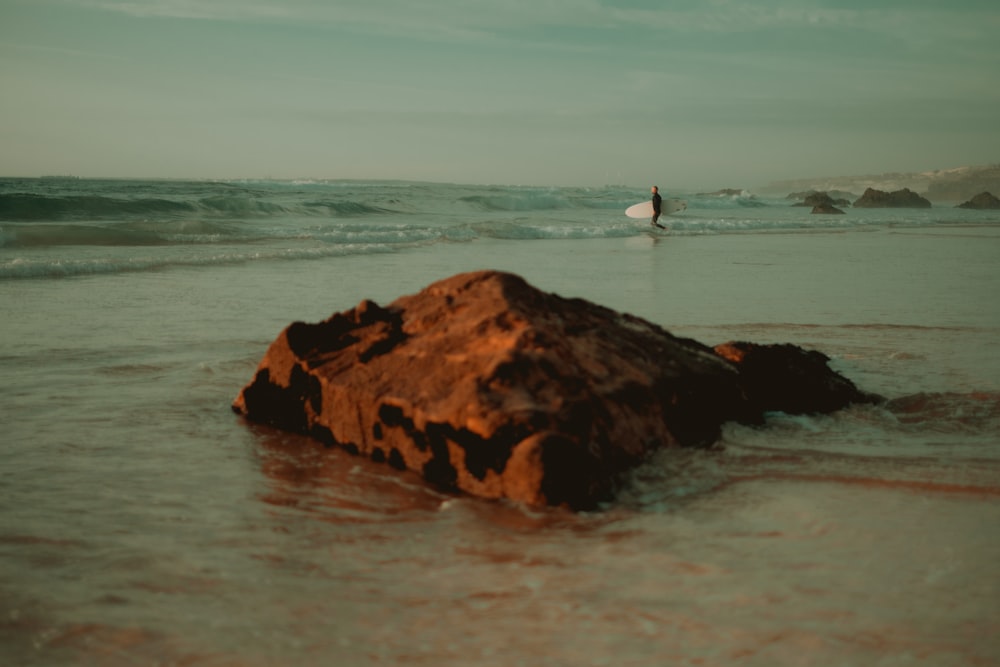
344, 208
36, 208
36, 200
204, 232
41, 207
956, 425
28, 268
69, 220
351, 226
529, 201
948, 412
732, 199
37, 235
546, 199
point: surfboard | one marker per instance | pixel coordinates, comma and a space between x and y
645, 209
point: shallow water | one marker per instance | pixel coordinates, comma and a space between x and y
141, 522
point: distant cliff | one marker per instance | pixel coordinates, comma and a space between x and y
960, 185
948, 185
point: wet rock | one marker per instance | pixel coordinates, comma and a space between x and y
983, 201
485, 384
904, 198
787, 378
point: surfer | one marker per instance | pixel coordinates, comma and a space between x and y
657, 204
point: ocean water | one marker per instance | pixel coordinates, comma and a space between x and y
143, 523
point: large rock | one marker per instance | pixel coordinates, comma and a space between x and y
983, 201
904, 198
484, 384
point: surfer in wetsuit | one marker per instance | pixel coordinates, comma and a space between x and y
657, 205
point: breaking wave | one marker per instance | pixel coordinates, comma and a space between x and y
32, 207
78, 226
23, 268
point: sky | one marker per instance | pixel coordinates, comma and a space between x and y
684, 94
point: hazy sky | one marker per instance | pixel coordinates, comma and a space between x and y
685, 93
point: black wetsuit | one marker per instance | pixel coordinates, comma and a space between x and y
657, 203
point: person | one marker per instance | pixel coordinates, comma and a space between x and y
657, 207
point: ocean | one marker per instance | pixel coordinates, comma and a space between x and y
143, 523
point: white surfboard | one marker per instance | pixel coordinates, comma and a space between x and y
645, 209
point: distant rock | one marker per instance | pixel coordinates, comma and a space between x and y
982, 201
822, 200
904, 198
484, 384
837, 197
826, 209
953, 185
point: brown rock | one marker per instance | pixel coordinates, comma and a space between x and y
904, 198
484, 384
788, 379
983, 201
822, 200
837, 197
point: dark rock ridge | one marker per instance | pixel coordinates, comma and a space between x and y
823, 203
904, 198
484, 384
823, 200
943, 185
787, 378
839, 197
983, 201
